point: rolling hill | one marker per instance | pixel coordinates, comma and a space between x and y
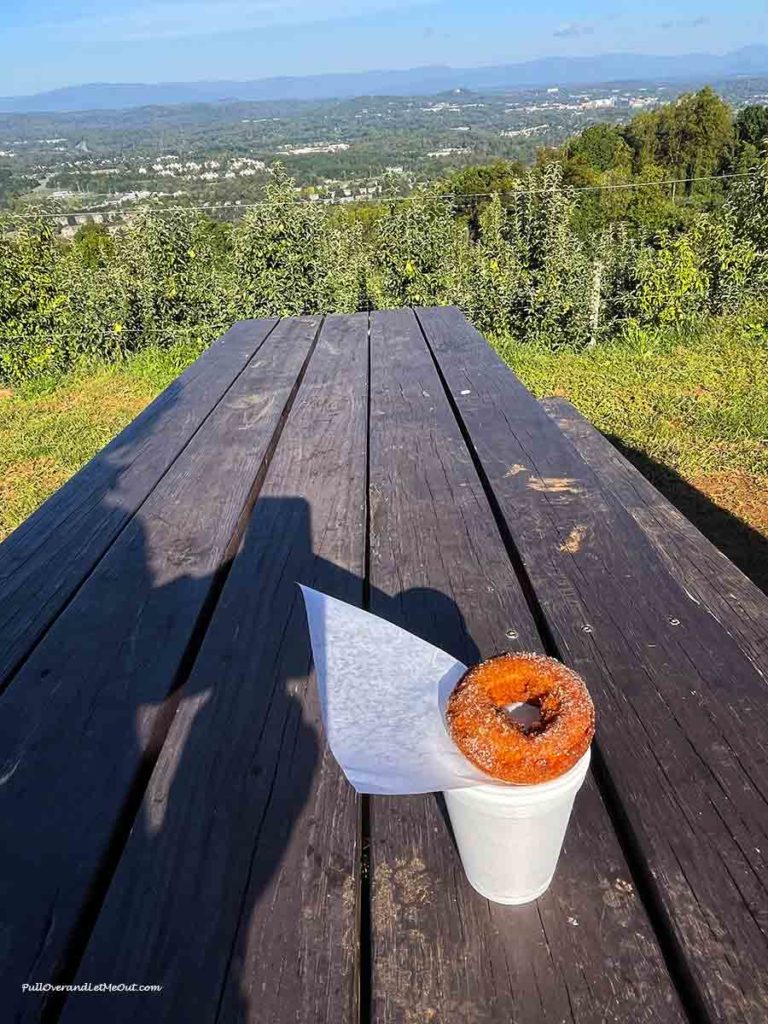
625, 67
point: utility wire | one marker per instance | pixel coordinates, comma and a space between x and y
234, 207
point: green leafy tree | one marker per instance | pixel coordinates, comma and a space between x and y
751, 126
496, 283
94, 244
345, 285
34, 314
420, 252
693, 134
730, 262
747, 206
671, 284
474, 186
598, 148
277, 254
688, 138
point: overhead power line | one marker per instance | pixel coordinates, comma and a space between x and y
235, 207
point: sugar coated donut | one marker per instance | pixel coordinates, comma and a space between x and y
491, 739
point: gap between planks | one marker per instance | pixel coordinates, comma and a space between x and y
365, 949
89, 913
677, 965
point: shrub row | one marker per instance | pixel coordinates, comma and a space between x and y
523, 270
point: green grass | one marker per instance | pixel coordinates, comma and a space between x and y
48, 432
698, 406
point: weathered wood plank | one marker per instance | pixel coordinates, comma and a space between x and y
705, 572
238, 889
682, 712
439, 568
48, 556
86, 715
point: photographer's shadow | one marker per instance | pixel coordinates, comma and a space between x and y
248, 828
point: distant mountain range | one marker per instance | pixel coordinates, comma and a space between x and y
547, 71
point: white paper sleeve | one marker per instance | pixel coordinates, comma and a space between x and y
383, 693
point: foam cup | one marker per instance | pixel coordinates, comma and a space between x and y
509, 837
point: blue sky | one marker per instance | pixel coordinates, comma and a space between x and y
49, 43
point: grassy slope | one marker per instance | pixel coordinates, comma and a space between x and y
45, 436
699, 408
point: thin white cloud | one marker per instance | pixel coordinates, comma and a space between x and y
686, 22
143, 21
574, 29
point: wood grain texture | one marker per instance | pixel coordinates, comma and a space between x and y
705, 572
238, 890
438, 567
682, 711
87, 712
51, 553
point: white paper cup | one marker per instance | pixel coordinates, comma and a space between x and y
510, 837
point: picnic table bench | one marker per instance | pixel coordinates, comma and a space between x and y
171, 814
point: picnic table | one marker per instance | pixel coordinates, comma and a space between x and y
171, 815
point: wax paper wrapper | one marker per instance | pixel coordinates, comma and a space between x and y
383, 694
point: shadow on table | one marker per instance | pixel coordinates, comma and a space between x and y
211, 845
286, 756
745, 546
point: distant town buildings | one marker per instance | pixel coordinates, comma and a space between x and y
319, 147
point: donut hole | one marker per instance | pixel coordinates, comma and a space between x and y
527, 715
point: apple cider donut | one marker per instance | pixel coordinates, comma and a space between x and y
484, 731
